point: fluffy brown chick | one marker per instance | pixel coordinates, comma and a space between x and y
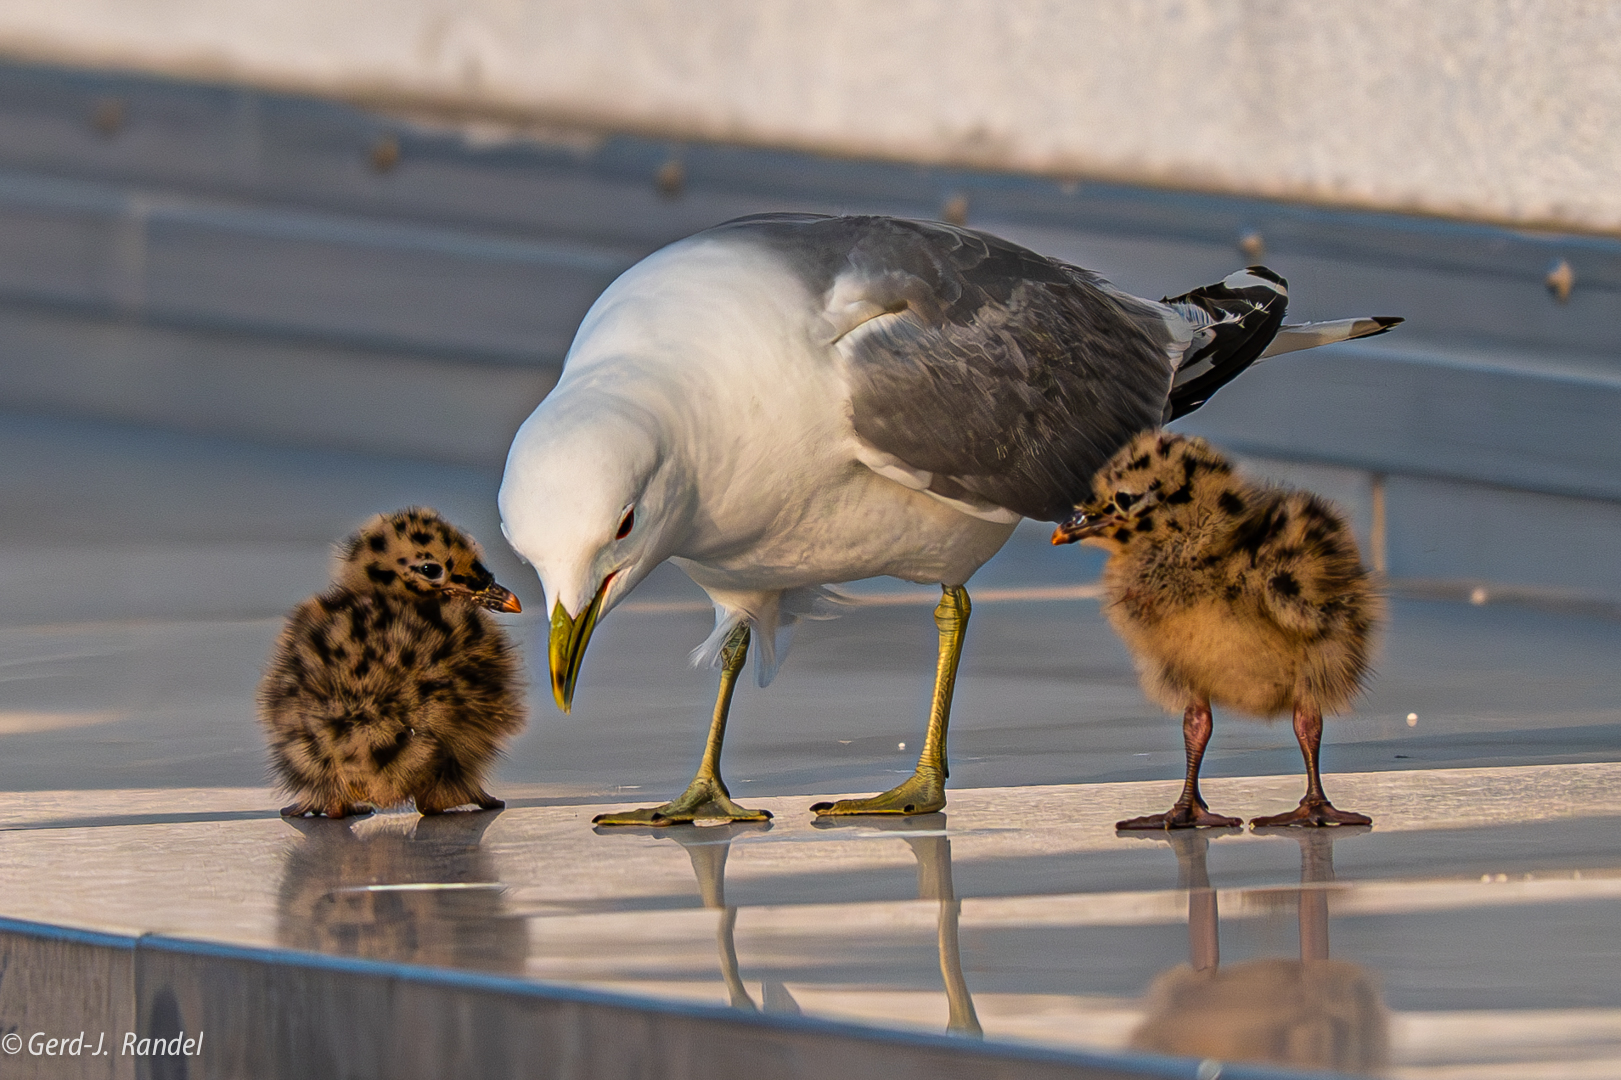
394, 684
1233, 593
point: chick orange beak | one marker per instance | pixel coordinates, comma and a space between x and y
570, 635
496, 598
1080, 525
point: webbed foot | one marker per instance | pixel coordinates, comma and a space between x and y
1312, 812
706, 799
923, 792
332, 810
430, 804
1181, 817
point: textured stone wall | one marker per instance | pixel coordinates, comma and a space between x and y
1504, 110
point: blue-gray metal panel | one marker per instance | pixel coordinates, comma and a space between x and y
290, 390
384, 285
217, 209
1390, 411
182, 261
278, 1013
62, 981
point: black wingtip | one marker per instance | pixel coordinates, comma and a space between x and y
1247, 319
1386, 323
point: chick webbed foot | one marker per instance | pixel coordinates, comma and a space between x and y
1314, 809
923, 792
706, 799
1181, 816
1190, 811
1312, 812
334, 810
430, 804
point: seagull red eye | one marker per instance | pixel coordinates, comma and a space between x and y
626, 523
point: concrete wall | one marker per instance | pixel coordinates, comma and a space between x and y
1503, 110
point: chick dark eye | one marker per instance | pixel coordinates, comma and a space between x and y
627, 523
431, 571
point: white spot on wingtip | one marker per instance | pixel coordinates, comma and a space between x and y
1412, 719
1243, 279
900, 746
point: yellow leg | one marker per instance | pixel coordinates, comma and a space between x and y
925, 791
706, 798
934, 882
961, 1018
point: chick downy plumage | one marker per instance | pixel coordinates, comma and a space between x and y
1230, 593
394, 684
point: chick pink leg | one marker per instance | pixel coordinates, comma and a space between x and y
1314, 809
1190, 811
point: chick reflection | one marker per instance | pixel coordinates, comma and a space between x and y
932, 848
403, 888
1313, 1012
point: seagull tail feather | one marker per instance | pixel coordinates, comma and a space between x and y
1236, 320
1294, 336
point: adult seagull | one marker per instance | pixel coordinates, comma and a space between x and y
790, 401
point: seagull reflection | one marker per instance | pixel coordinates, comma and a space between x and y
1314, 1012
931, 847
707, 846
417, 891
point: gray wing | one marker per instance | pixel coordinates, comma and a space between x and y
979, 370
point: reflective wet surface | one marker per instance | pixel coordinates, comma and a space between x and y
143, 573
1474, 931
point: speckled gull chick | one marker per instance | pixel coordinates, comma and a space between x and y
790, 401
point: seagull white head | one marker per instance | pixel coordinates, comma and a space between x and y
589, 502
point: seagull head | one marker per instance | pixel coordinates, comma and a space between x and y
590, 500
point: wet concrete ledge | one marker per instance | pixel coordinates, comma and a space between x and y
275, 1013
